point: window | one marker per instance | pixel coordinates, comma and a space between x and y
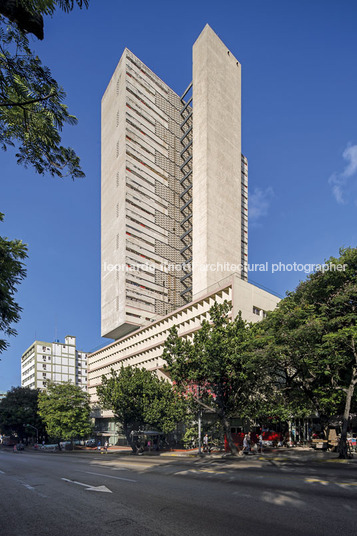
256, 310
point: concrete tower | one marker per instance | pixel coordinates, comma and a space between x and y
174, 186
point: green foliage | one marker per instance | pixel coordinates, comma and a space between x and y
12, 272
65, 410
312, 337
216, 370
138, 398
32, 112
48, 7
311, 341
19, 407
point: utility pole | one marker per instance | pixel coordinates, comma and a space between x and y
34, 427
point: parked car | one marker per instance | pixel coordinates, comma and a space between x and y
90, 443
20, 446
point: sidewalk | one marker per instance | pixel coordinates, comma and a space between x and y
282, 454
295, 455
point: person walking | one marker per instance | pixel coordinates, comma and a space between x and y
205, 443
106, 445
245, 444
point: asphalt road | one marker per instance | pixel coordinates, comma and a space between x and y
90, 495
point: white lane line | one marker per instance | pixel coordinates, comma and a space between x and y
27, 486
31, 488
109, 476
2, 472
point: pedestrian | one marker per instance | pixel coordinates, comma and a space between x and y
106, 445
246, 444
260, 442
205, 443
99, 446
249, 442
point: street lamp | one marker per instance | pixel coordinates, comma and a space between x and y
30, 426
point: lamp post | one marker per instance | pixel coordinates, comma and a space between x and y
34, 427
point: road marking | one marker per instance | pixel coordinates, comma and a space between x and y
2, 472
109, 476
27, 486
330, 482
88, 486
110, 466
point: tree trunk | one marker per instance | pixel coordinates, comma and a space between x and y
343, 451
227, 430
129, 438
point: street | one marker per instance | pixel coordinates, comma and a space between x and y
69, 494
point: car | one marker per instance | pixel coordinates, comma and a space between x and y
90, 443
20, 446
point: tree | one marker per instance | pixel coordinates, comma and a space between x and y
65, 410
216, 370
32, 112
17, 408
12, 272
312, 347
139, 398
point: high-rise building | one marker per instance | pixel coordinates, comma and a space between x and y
174, 211
53, 361
174, 186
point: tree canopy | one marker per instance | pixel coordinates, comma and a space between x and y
65, 410
17, 408
311, 342
216, 370
32, 109
12, 272
138, 398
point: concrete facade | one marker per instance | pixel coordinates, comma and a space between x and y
53, 361
171, 169
140, 198
217, 160
144, 348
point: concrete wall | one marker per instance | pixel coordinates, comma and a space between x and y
216, 158
113, 201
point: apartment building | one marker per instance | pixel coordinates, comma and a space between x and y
174, 219
174, 186
53, 361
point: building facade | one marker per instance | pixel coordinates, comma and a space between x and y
144, 347
174, 221
55, 362
171, 167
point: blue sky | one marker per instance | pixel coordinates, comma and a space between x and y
299, 133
